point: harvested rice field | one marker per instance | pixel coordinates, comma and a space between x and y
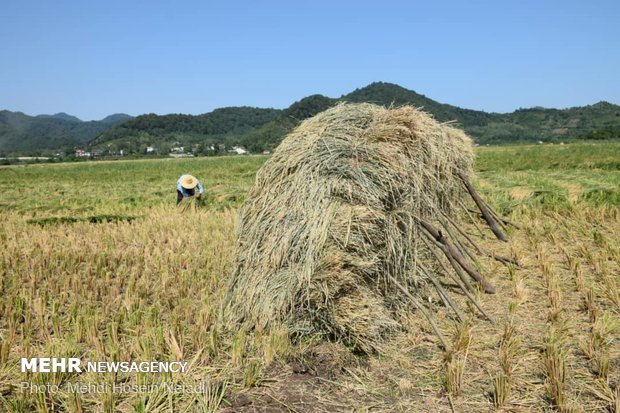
97, 263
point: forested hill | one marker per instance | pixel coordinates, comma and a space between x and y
198, 133
23, 134
391, 94
258, 129
598, 121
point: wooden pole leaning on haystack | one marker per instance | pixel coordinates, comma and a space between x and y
504, 260
484, 210
452, 252
354, 222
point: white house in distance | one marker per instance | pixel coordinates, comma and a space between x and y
239, 150
150, 149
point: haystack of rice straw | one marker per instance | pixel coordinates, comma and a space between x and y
333, 237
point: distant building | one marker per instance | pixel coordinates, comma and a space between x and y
95, 153
178, 149
150, 149
239, 150
81, 153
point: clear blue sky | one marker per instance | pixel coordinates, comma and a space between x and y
94, 58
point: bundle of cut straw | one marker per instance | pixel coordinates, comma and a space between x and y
188, 204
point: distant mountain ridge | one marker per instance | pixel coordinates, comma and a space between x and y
221, 126
390, 94
601, 120
258, 129
116, 118
61, 115
24, 134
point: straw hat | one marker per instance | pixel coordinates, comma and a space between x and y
188, 181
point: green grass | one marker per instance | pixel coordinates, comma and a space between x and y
121, 187
550, 177
603, 155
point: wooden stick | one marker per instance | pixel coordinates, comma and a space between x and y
500, 258
505, 260
472, 218
464, 234
450, 251
486, 214
459, 282
495, 214
499, 217
442, 293
457, 268
423, 310
443, 299
457, 241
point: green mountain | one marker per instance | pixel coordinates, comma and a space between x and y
115, 118
198, 133
269, 135
23, 134
253, 128
61, 115
387, 94
598, 121
262, 129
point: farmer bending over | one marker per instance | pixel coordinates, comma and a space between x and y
186, 187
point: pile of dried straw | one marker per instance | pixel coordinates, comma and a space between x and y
350, 223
